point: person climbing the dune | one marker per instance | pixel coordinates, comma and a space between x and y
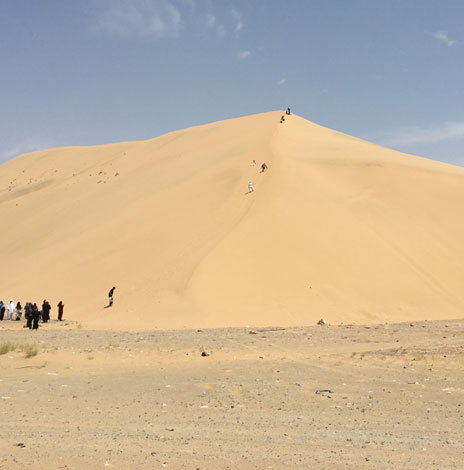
250, 186
282, 119
110, 296
263, 167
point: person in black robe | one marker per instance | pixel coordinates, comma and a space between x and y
46, 311
60, 310
28, 314
35, 317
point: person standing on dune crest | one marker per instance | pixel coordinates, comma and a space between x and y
110, 296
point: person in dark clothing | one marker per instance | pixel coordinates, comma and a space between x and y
19, 311
2, 310
110, 296
60, 310
288, 111
35, 317
263, 168
28, 314
282, 119
46, 307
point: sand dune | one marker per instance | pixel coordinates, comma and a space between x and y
337, 228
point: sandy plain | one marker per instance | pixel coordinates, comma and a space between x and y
149, 399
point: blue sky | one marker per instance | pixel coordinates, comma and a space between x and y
98, 71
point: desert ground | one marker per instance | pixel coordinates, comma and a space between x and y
391, 396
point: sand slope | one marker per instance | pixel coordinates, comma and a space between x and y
337, 228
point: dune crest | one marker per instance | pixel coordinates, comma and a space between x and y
336, 228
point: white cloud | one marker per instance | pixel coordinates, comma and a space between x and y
156, 18
442, 36
244, 55
210, 20
239, 20
418, 135
281, 81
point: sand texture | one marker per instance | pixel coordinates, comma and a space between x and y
149, 400
336, 228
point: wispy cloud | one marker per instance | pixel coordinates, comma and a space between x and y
281, 81
25, 147
442, 36
155, 18
212, 23
190, 3
244, 55
210, 20
418, 135
238, 18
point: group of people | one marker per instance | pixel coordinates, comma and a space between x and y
32, 314
263, 169
263, 165
282, 119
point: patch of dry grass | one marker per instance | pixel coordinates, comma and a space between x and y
29, 350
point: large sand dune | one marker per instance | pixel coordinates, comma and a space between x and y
337, 228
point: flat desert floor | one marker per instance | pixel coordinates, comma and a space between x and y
387, 396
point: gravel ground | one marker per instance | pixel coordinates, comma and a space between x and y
338, 397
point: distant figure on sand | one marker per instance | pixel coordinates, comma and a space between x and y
60, 310
263, 167
19, 311
110, 296
282, 119
288, 111
11, 307
250, 186
2, 310
253, 163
